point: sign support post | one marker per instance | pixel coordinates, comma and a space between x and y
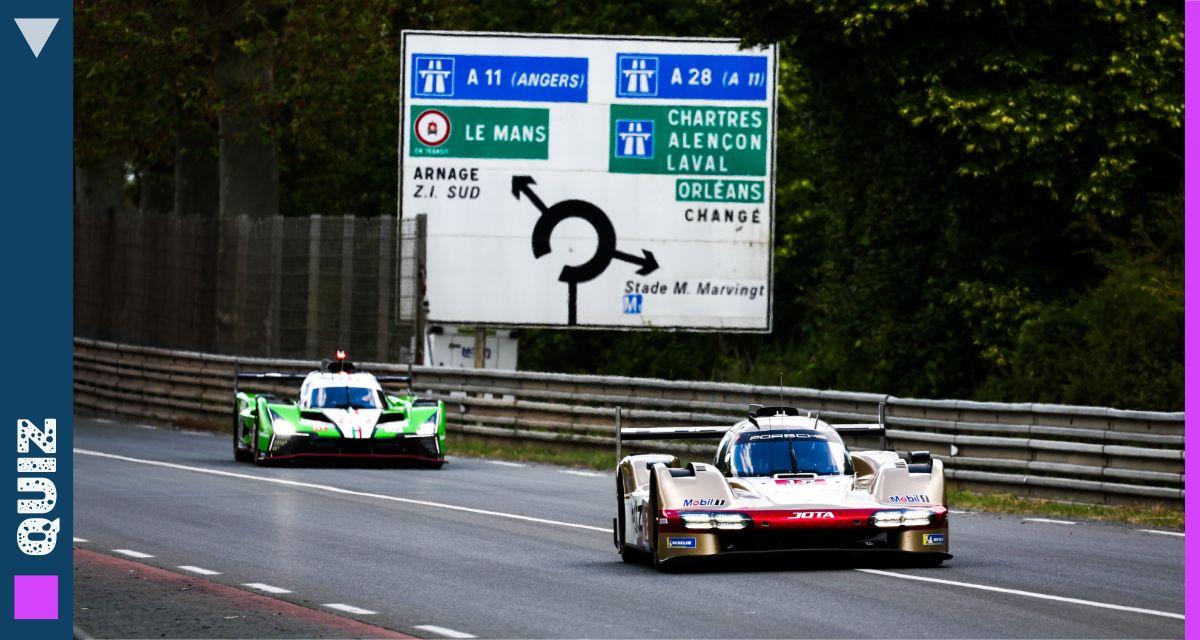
480, 346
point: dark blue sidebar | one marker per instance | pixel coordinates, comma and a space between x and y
35, 201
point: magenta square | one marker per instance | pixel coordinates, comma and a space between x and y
35, 597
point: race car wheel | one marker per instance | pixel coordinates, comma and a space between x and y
441, 458
628, 554
255, 455
240, 454
652, 521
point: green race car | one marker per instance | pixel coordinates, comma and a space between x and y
341, 412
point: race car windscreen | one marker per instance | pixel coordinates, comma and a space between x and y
793, 451
343, 398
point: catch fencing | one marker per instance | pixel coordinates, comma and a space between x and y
1083, 454
274, 286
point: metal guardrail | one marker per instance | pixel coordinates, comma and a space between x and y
1085, 454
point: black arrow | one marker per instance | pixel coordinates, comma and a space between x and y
521, 184
647, 261
606, 245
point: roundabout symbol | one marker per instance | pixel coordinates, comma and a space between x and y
432, 127
606, 245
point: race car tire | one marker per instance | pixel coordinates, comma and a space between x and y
239, 454
255, 453
652, 516
628, 554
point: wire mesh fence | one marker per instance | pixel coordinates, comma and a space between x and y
272, 287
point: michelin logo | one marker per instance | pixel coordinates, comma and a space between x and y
933, 539
682, 543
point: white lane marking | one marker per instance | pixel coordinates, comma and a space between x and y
501, 463
350, 609
1028, 594
1163, 533
957, 512
1047, 521
102, 420
265, 587
443, 631
339, 490
146, 426
78, 540
200, 570
132, 554
586, 474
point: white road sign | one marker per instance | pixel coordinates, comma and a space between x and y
591, 181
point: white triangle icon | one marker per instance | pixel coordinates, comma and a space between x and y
36, 32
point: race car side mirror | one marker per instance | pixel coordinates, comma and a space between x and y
919, 461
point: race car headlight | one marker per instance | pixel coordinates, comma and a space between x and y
917, 517
887, 519
907, 518
715, 520
430, 426
282, 427
731, 520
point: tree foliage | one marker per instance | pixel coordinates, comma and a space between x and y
975, 198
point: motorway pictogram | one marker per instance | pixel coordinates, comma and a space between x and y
606, 240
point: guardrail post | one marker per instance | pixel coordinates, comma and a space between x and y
883, 425
617, 413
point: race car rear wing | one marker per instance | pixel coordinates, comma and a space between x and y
273, 376
718, 431
878, 428
673, 433
665, 433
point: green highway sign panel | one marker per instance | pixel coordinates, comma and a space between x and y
443, 131
719, 190
591, 181
689, 140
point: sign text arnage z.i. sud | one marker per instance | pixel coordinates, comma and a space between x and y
37, 535
452, 183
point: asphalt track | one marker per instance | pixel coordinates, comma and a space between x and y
491, 549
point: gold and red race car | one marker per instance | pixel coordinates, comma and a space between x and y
780, 481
